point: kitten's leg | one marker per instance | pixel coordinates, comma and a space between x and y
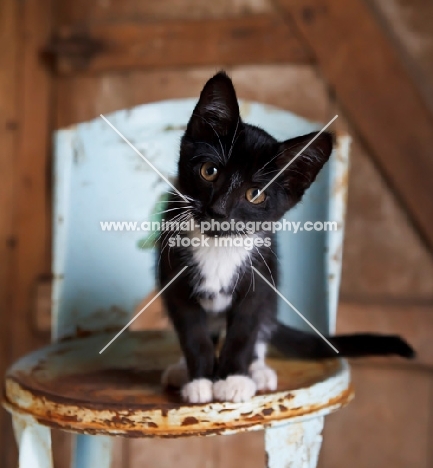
264, 377
176, 375
189, 320
236, 355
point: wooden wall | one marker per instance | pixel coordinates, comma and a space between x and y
388, 267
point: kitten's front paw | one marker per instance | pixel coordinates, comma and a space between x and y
264, 377
235, 388
198, 391
176, 375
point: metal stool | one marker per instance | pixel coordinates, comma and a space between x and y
69, 386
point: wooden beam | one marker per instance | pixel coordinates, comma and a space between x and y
131, 45
9, 59
29, 93
377, 93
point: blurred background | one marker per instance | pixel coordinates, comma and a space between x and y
370, 61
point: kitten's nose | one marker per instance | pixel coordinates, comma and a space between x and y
216, 212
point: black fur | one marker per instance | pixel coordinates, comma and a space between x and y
216, 133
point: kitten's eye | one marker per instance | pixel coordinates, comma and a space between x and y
255, 192
209, 171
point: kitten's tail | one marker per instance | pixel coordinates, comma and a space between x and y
300, 344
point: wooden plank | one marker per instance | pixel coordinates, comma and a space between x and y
377, 93
383, 256
412, 321
30, 256
386, 425
409, 25
297, 88
83, 10
9, 60
131, 45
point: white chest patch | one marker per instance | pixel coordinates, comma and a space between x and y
219, 267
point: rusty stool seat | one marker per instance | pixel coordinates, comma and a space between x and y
69, 385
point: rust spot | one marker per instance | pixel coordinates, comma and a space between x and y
189, 420
341, 184
152, 424
164, 412
72, 418
267, 411
282, 408
255, 418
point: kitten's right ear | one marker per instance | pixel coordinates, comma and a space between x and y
217, 111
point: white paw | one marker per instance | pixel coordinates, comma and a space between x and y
198, 391
235, 388
176, 375
264, 377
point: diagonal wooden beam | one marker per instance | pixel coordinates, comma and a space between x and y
377, 93
131, 45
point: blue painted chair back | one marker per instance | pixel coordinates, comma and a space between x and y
100, 276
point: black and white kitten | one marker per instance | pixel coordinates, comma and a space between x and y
223, 164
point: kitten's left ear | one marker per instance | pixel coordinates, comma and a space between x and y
217, 109
302, 172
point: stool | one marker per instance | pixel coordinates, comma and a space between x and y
70, 386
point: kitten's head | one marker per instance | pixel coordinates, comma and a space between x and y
224, 162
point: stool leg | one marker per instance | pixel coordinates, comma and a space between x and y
92, 451
34, 443
294, 445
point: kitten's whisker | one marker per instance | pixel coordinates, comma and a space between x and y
164, 246
267, 266
187, 207
233, 139
175, 194
252, 274
167, 202
234, 287
188, 217
212, 148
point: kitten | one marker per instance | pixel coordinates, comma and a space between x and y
223, 164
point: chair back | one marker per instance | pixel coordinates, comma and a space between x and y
101, 275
